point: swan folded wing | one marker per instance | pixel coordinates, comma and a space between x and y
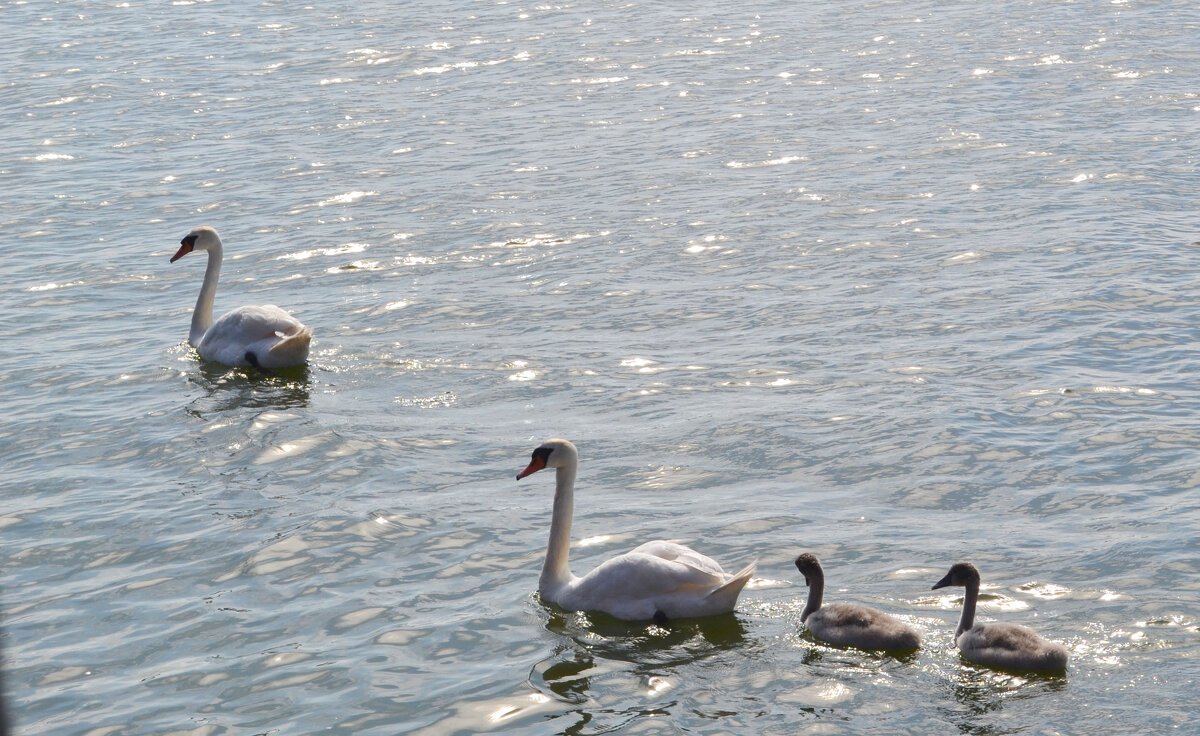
636, 575
245, 325
847, 624
1013, 647
672, 552
849, 615
1001, 637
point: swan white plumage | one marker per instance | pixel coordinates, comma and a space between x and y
849, 624
265, 337
1004, 646
655, 581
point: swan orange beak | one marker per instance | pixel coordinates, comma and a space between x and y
537, 463
184, 249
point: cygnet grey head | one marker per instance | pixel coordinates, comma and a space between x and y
808, 565
961, 573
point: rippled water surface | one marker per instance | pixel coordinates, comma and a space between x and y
899, 284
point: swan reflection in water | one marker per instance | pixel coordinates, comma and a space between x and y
246, 388
597, 645
978, 693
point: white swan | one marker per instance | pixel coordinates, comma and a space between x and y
264, 337
848, 624
657, 580
1006, 646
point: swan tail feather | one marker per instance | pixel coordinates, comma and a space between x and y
292, 349
728, 593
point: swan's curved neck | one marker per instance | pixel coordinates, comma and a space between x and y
202, 315
555, 571
816, 590
967, 620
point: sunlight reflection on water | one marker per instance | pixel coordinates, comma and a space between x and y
856, 279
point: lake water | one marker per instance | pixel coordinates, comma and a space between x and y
899, 284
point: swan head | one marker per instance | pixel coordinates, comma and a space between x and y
961, 574
808, 565
202, 238
551, 454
